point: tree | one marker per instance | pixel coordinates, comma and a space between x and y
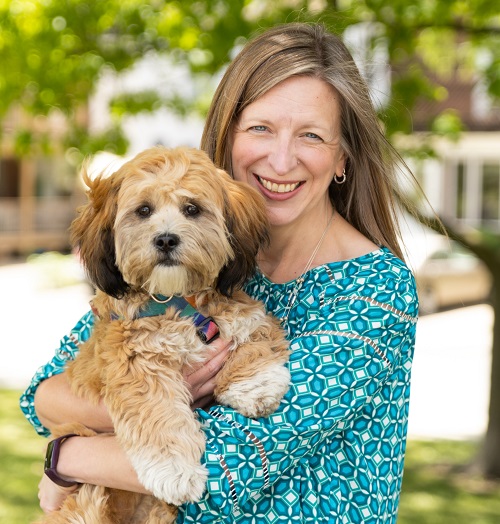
52, 53
448, 37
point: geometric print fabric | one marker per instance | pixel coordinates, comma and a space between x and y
333, 452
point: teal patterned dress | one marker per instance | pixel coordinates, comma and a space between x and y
333, 452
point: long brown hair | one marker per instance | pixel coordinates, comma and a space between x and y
368, 197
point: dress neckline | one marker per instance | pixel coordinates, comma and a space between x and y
330, 265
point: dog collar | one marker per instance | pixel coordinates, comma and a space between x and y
206, 327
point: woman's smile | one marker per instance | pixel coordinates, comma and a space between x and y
277, 187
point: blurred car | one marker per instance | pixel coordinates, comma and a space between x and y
450, 275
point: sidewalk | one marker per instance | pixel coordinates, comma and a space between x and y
451, 373
35, 314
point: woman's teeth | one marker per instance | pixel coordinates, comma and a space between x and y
278, 188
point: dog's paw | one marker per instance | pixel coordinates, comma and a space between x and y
175, 481
260, 395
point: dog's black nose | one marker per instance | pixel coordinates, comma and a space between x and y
167, 242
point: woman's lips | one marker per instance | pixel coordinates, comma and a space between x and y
277, 189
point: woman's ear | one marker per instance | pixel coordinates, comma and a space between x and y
248, 226
92, 234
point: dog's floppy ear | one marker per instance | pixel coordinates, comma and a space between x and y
92, 234
248, 226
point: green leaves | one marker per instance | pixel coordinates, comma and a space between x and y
449, 124
53, 52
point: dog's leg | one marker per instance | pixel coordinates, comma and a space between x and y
160, 434
154, 511
149, 404
254, 377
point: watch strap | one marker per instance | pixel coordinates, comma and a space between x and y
52, 458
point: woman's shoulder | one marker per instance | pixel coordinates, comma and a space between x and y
378, 276
379, 265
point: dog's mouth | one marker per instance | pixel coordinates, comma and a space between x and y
168, 262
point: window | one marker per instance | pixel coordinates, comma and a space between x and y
490, 192
460, 202
472, 192
9, 178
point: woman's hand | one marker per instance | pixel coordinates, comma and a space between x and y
201, 378
52, 496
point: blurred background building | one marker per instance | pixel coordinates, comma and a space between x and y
39, 193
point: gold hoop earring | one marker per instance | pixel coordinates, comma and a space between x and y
340, 179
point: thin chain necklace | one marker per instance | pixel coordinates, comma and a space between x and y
298, 283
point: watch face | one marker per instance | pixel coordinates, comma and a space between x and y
49, 455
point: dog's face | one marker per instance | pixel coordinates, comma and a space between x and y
169, 222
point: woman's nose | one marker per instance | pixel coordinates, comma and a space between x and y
282, 157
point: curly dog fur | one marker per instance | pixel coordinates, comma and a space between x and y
168, 222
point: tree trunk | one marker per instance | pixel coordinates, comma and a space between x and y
490, 452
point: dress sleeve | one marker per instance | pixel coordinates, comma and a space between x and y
353, 350
66, 351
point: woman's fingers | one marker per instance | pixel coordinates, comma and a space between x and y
200, 378
216, 356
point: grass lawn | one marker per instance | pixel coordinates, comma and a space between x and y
438, 490
434, 490
21, 463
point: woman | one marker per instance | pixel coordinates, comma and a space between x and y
292, 117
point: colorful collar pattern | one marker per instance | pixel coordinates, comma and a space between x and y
206, 328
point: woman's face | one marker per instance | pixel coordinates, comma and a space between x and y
286, 144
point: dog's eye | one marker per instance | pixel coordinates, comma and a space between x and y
191, 210
144, 211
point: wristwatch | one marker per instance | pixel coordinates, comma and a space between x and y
52, 458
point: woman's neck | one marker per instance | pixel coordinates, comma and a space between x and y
295, 248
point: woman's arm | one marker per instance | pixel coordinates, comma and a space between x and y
350, 362
98, 460
56, 404
95, 460
67, 350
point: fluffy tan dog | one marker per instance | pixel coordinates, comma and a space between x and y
168, 223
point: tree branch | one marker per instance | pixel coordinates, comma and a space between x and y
459, 27
489, 254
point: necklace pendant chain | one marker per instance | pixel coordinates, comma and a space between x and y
300, 281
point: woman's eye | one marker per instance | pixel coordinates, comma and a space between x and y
191, 210
144, 211
314, 136
258, 128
